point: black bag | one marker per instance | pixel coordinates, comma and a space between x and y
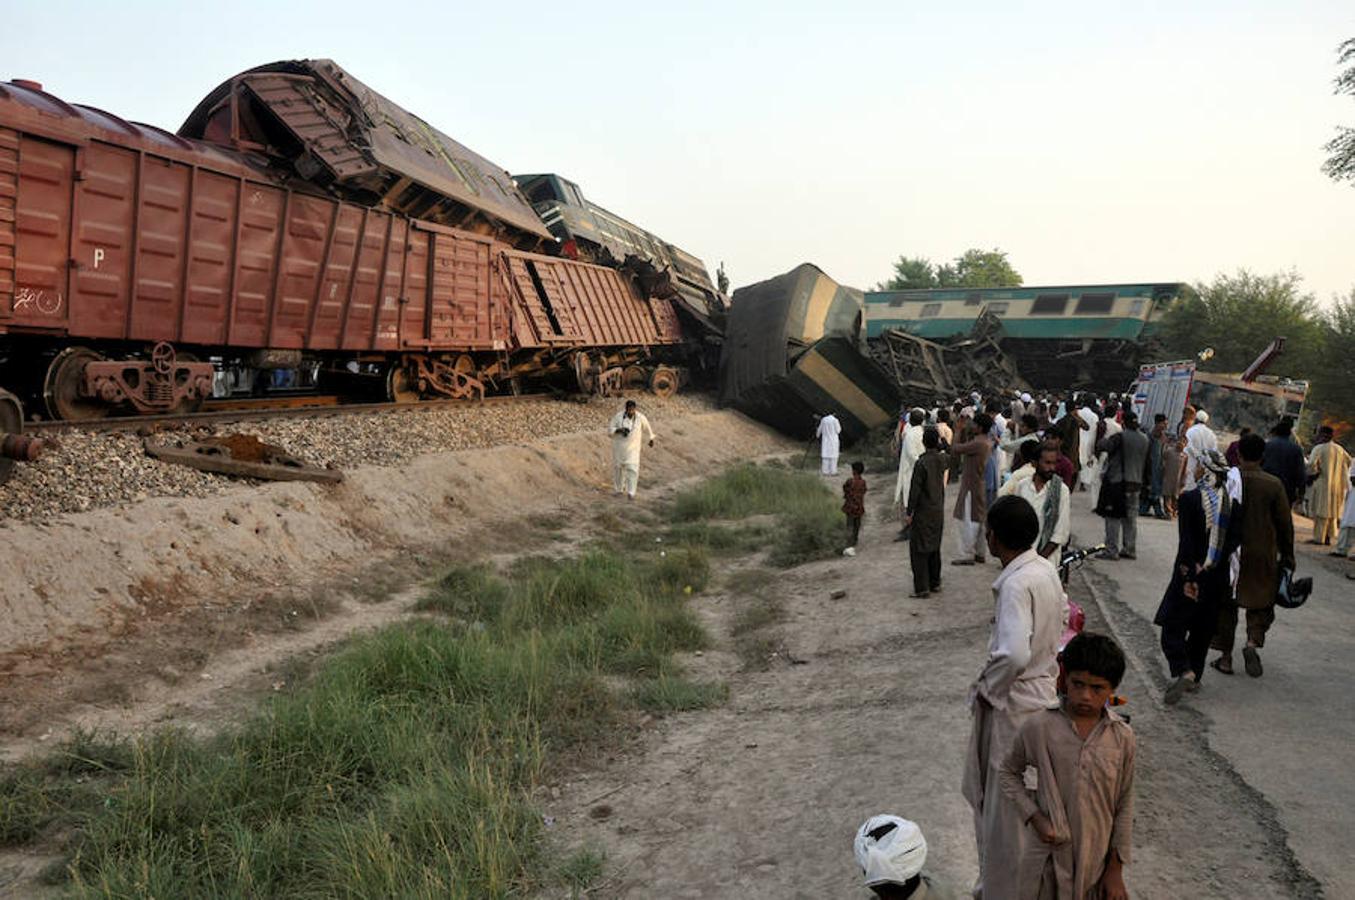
1111, 501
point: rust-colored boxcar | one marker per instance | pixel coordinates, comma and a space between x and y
121, 237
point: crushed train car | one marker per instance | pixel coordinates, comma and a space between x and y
792, 350
312, 121
1069, 336
137, 265
926, 371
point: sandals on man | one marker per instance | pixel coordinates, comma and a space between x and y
1223, 665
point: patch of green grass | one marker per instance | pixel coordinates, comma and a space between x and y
672, 693
581, 870
402, 766
809, 518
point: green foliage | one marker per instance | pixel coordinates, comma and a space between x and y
1239, 315
974, 268
669, 693
1340, 163
403, 767
1333, 384
911, 273
809, 518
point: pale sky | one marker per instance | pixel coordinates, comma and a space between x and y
1150, 142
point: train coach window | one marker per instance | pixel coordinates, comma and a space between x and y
1094, 304
1136, 308
542, 190
1049, 305
931, 310
998, 309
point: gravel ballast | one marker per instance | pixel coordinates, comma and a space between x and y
90, 470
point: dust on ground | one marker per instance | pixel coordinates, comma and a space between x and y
864, 712
838, 709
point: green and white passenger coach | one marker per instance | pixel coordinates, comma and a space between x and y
1061, 335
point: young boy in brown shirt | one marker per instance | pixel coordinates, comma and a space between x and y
1081, 758
854, 504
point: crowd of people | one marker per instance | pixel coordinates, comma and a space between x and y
1047, 824
1049, 765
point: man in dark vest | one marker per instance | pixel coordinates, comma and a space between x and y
925, 514
1266, 528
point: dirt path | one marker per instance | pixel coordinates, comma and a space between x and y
762, 797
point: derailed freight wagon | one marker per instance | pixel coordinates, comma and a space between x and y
130, 257
792, 350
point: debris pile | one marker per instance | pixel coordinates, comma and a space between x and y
242, 456
926, 371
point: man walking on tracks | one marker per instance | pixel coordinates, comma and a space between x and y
1267, 535
629, 430
1017, 681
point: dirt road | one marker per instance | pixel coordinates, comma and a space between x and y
863, 712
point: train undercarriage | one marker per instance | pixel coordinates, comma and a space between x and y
93, 380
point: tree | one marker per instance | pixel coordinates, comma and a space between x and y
1239, 315
973, 268
985, 268
1333, 384
911, 272
1340, 164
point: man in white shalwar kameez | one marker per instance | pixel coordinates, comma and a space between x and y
827, 433
1086, 448
1200, 439
910, 449
1018, 680
629, 430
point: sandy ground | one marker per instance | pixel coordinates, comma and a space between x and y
114, 618
1241, 789
761, 798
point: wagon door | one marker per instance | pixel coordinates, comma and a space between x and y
460, 305
42, 232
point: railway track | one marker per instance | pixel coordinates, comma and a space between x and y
261, 410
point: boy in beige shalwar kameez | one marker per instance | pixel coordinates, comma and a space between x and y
1018, 680
1081, 807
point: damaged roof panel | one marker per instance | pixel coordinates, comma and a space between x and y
334, 131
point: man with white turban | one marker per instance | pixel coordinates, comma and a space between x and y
1200, 439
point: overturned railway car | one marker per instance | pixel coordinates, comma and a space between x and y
793, 350
136, 265
1059, 337
590, 232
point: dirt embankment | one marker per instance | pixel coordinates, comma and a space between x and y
123, 588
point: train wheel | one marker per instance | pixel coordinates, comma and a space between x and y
400, 387
634, 378
586, 373
188, 405
664, 382
61, 388
465, 364
11, 422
